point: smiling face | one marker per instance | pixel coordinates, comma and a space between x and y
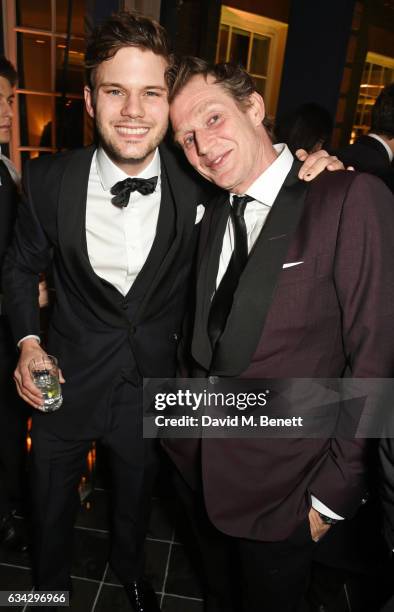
225, 143
6, 101
130, 106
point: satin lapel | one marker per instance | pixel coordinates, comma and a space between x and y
254, 294
212, 232
184, 192
72, 239
147, 278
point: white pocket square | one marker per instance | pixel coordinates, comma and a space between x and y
292, 263
199, 213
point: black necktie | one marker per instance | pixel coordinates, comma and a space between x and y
223, 298
121, 190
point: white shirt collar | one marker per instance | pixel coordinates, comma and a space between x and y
384, 143
267, 186
109, 173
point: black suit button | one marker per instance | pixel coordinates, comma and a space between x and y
213, 380
125, 306
175, 337
133, 330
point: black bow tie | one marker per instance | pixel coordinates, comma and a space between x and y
121, 190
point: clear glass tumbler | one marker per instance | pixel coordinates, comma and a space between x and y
45, 375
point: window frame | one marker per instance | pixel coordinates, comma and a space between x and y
276, 31
11, 32
373, 59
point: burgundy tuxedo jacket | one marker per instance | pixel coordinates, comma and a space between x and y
332, 313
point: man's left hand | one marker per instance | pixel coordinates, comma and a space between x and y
315, 163
317, 527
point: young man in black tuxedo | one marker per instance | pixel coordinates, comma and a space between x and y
119, 232
119, 224
13, 414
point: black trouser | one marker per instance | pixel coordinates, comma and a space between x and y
13, 419
248, 575
56, 472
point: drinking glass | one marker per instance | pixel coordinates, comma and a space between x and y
44, 372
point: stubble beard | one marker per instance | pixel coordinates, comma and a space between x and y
115, 154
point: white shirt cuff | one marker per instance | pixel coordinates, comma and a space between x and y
26, 337
320, 507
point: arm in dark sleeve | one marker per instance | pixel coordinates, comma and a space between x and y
8, 208
364, 280
29, 254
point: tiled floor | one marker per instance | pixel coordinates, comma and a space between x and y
96, 588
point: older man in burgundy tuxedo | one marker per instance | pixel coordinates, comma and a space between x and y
294, 280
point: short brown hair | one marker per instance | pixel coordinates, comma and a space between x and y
233, 78
7, 71
123, 29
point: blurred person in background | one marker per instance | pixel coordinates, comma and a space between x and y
307, 127
374, 152
13, 413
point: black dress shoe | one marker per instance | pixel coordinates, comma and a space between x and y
11, 536
142, 597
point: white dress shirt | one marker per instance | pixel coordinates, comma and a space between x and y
119, 239
263, 191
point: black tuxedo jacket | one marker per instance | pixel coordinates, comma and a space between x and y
368, 155
386, 454
8, 208
99, 336
329, 313
11, 415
